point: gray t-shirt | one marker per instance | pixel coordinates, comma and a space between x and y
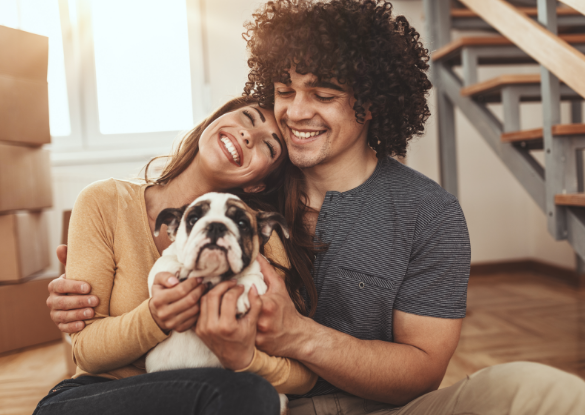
398, 241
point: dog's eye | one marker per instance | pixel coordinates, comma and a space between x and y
192, 220
243, 224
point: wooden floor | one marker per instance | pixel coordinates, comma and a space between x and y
518, 317
27, 376
510, 318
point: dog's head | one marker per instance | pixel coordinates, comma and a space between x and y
218, 234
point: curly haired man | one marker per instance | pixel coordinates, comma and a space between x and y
348, 84
347, 81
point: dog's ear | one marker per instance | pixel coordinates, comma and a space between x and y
170, 217
266, 223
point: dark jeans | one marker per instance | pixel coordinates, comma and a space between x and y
207, 391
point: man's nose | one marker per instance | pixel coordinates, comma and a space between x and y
300, 108
216, 230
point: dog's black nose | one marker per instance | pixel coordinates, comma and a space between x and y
216, 230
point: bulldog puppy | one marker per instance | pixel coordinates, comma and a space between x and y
217, 237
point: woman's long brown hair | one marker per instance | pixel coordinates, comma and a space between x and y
282, 193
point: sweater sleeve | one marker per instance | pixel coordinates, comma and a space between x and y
106, 343
286, 375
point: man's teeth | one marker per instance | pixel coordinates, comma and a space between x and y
230, 147
301, 134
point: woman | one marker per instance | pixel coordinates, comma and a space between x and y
112, 246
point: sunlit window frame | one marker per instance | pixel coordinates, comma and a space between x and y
86, 143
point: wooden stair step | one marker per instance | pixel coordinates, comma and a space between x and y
457, 45
529, 11
570, 199
537, 133
496, 84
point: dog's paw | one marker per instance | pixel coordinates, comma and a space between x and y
183, 273
243, 303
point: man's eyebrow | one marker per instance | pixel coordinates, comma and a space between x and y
324, 84
261, 115
277, 139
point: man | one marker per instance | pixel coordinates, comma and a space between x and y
348, 84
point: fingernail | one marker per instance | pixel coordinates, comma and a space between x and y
79, 326
173, 280
86, 313
84, 288
90, 301
199, 280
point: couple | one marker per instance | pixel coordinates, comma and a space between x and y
366, 320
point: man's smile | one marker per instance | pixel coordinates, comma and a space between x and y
305, 136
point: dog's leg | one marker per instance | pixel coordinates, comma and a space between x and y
283, 404
252, 277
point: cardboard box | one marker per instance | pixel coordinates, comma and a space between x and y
24, 316
25, 178
24, 245
24, 96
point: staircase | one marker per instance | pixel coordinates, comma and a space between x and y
541, 32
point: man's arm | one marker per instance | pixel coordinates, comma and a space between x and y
395, 373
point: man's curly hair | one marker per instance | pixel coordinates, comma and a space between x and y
358, 43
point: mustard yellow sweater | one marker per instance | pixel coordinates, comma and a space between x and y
111, 248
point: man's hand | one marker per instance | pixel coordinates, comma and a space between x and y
69, 301
229, 338
174, 305
280, 325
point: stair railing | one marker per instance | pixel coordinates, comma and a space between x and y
559, 61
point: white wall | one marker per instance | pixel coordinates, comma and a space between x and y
227, 48
504, 223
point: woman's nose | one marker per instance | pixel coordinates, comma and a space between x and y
247, 138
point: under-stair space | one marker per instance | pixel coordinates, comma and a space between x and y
471, 34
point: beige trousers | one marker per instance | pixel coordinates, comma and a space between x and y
508, 389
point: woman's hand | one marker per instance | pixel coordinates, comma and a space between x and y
174, 305
229, 338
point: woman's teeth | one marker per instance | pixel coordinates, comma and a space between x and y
300, 134
230, 147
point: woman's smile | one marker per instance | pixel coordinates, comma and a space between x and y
231, 148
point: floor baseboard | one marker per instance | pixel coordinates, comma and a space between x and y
565, 275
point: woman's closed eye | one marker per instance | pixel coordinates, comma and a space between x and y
250, 116
270, 148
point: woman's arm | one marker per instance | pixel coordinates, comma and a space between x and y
107, 342
286, 375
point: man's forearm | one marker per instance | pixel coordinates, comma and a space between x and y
372, 369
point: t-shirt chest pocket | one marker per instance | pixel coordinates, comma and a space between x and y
358, 304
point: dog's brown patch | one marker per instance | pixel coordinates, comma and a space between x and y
198, 210
250, 243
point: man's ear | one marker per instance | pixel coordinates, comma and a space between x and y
254, 188
170, 217
266, 223
368, 113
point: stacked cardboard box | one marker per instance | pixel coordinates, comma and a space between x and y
25, 189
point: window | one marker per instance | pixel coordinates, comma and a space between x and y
124, 75
143, 84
